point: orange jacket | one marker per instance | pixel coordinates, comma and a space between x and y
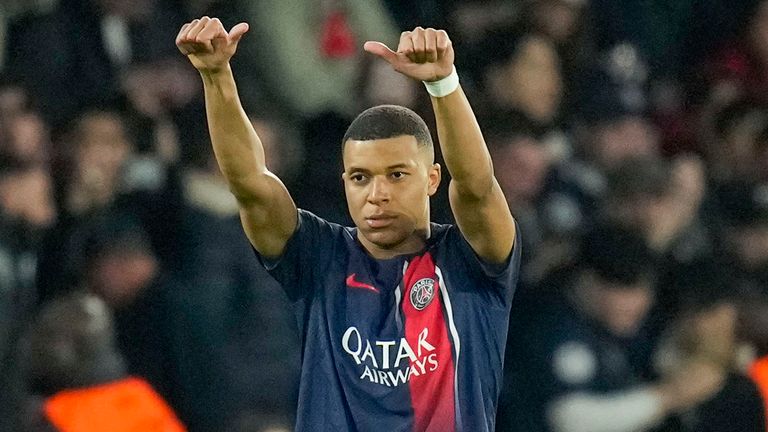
759, 374
127, 405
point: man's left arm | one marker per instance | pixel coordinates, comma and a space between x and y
478, 204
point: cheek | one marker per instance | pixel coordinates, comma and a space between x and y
356, 199
627, 308
416, 196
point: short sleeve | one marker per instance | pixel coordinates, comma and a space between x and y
501, 277
305, 253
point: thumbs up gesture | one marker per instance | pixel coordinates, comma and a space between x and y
207, 44
422, 54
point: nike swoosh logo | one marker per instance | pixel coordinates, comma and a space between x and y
352, 283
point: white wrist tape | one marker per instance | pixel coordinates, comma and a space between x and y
444, 86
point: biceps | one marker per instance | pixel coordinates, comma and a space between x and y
485, 222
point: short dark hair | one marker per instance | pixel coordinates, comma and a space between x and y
639, 176
699, 285
72, 344
388, 121
618, 255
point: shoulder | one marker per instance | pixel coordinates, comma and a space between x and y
313, 240
449, 237
310, 223
468, 272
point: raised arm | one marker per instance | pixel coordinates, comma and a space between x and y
267, 211
478, 204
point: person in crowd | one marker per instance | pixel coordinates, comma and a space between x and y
88, 179
707, 307
119, 266
661, 199
75, 367
739, 66
523, 81
246, 376
94, 42
27, 211
613, 127
522, 164
743, 223
566, 24
732, 150
581, 363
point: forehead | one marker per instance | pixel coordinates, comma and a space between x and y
382, 153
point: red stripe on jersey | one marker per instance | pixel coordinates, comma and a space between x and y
431, 379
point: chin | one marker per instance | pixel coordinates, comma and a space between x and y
625, 330
385, 239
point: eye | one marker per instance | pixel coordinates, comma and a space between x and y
357, 178
398, 175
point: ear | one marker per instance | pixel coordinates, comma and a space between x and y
435, 175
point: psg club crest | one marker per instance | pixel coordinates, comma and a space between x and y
422, 293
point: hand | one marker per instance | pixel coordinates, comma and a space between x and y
207, 45
423, 54
695, 383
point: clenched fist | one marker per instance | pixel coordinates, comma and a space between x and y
422, 54
207, 44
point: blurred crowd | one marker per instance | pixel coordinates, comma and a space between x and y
630, 138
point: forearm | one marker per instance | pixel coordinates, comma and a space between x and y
462, 144
631, 411
238, 149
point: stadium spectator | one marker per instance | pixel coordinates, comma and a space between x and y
74, 366
26, 212
612, 127
707, 310
582, 362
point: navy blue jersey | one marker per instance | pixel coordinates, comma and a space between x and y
411, 343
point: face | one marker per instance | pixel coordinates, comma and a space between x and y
749, 244
624, 139
557, 19
119, 278
623, 309
521, 167
102, 149
388, 183
28, 137
620, 308
531, 81
29, 196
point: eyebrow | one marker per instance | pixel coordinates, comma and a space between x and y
389, 168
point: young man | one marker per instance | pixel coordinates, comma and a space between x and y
403, 322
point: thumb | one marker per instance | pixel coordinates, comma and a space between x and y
381, 50
237, 32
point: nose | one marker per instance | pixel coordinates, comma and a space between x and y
378, 192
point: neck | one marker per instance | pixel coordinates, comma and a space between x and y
411, 244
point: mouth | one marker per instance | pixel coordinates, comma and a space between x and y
379, 221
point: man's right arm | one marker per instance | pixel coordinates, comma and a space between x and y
638, 408
267, 211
